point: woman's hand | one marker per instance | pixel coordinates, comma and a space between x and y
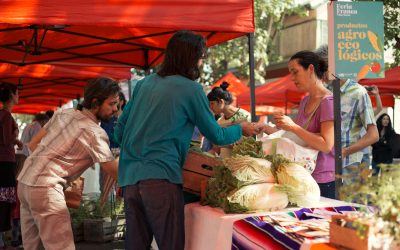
268, 129
285, 122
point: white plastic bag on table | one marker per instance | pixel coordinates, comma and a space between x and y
278, 143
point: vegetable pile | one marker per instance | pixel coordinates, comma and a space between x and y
250, 181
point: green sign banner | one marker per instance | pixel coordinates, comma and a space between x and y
355, 32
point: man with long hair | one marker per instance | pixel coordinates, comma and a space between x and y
154, 132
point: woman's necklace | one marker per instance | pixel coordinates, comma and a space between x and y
227, 118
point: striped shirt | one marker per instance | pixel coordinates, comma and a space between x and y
356, 114
74, 141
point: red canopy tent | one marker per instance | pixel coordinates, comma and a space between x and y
109, 32
236, 87
390, 84
44, 87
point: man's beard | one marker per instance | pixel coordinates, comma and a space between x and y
104, 118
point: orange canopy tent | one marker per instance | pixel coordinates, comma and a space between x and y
236, 87
112, 33
282, 93
44, 87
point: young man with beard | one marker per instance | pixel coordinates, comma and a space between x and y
63, 149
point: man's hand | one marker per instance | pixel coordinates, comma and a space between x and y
250, 129
375, 90
19, 144
111, 168
345, 152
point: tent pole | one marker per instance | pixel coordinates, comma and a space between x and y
337, 128
394, 106
130, 90
250, 38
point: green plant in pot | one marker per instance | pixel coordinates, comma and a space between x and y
382, 193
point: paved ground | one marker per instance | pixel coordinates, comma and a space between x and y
91, 246
100, 246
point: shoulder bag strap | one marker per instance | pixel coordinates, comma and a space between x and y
305, 125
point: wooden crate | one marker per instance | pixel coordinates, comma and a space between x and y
197, 169
99, 230
120, 227
343, 234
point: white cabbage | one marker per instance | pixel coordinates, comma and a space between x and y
250, 170
301, 187
259, 197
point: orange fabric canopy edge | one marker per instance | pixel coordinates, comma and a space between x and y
46, 71
216, 15
44, 87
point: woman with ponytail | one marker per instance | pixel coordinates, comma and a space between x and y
314, 123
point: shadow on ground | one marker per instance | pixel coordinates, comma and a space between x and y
100, 246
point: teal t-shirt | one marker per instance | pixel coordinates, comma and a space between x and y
156, 127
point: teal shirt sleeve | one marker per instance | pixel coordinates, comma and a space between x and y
202, 117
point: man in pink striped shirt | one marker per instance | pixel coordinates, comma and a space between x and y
64, 148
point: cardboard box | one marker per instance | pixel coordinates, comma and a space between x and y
197, 169
343, 232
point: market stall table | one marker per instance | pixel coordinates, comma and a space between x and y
306, 228
210, 228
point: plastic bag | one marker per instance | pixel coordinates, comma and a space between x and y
278, 143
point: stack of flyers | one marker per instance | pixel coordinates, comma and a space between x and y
312, 228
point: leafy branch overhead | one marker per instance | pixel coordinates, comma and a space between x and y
269, 18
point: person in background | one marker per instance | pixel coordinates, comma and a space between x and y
8, 140
382, 149
366, 161
108, 126
64, 148
221, 104
375, 91
50, 113
154, 132
206, 145
356, 114
314, 123
31, 130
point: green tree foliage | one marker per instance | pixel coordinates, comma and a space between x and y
392, 28
269, 17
